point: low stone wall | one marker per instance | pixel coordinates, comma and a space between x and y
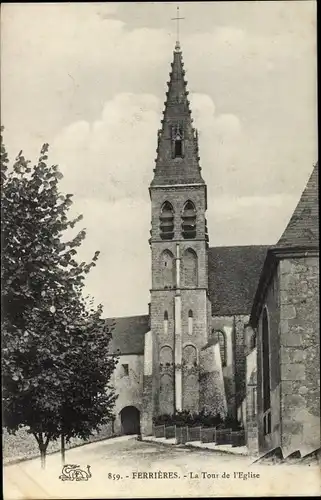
23, 445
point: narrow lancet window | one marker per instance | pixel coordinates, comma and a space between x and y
190, 322
177, 142
178, 147
165, 322
222, 343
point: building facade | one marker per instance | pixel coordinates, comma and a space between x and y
231, 330
285, 315
192, 342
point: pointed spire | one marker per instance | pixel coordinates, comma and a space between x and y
177, 159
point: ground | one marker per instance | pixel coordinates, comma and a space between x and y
116, 464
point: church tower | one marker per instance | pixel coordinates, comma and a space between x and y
180, 309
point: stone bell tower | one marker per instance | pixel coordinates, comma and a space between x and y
180, 309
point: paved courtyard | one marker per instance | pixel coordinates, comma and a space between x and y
126, 468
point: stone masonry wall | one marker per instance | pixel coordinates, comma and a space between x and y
226, 325
251, 399
158, 248
161, 301
129, 388
300, 354
192, 298
146, 422
212, 392
178, 196
240, 359
196, 301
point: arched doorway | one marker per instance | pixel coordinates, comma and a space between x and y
130, 420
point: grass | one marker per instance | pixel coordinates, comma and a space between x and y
23, 446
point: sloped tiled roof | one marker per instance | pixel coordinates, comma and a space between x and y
128, 334
303, 227
302, 232
233, 275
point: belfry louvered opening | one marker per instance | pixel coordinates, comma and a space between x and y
177, 141
189, 221
167, 221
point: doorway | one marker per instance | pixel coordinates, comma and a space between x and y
130, 420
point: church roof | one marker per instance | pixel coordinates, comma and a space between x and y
128, 334
177, 123
233, 275
301, 235
303, 227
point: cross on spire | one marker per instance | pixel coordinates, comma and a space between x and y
177, 19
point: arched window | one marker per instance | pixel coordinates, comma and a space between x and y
189, 356
220, 337
166, 356
189, 275
266, 373
168, 269
166, 221
189, 221
190, 322
178, 147
165, 322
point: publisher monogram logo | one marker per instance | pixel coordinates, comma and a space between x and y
72, 472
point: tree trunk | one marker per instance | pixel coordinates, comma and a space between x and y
63, 451
43, 445
43, 457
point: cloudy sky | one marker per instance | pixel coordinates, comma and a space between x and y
90, 79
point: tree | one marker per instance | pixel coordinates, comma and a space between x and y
90, 404
56, 364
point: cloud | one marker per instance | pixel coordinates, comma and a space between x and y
115, 153
250, 220
91, 82
108, 164
248, 74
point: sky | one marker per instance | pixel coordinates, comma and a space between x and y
90, 79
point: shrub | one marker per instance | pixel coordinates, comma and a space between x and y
186, 418
231, 423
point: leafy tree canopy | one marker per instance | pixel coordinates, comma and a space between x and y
56, 363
